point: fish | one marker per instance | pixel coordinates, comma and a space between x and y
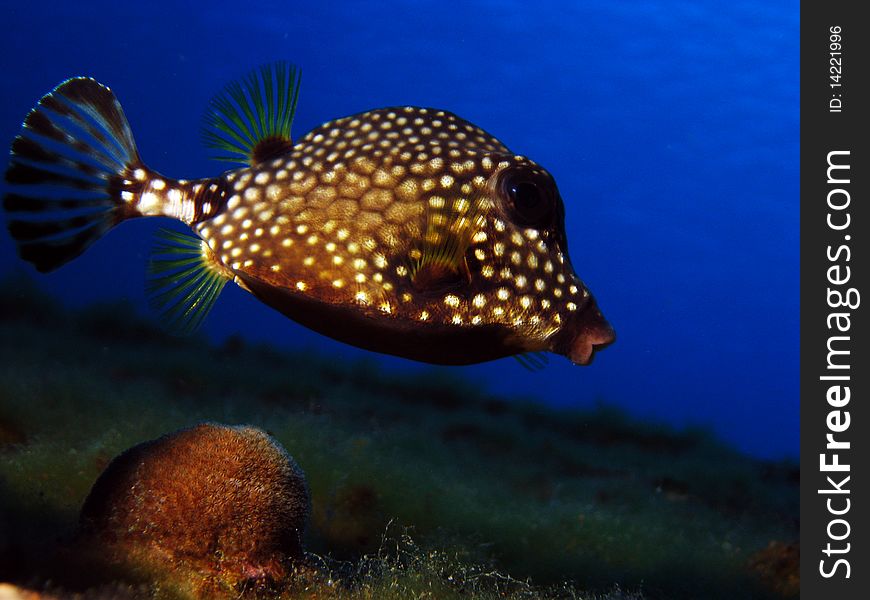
403, 230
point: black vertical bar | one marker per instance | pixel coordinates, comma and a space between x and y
835, 365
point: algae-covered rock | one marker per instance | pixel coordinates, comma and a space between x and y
207, 507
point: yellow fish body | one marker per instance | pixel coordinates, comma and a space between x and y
404, 230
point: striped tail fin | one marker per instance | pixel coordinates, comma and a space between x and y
72, 172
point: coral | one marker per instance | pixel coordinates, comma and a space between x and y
205, 508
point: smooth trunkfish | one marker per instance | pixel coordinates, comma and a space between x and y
402, 230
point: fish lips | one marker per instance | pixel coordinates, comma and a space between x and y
586, 333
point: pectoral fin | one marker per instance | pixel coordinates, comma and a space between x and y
440, 261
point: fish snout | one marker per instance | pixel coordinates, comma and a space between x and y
585, 334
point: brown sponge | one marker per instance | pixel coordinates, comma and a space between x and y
208, 507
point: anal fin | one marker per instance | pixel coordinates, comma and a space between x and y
184, 280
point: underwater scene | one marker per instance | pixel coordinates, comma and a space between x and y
399, 300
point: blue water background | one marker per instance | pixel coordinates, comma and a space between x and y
671, 128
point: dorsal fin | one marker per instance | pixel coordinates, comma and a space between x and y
451, 224
184, 280
250, 120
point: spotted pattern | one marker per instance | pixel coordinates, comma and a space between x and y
189, 201
348, 214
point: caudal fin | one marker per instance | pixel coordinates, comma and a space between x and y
72, 171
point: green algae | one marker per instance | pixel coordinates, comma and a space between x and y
476, 487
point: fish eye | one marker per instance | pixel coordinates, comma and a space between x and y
531, 197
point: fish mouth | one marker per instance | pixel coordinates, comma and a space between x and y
586, 333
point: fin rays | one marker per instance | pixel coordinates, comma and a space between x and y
450, 228
532, 361
251, 119
184, 281
72, 149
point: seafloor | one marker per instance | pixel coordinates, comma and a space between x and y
422, 486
